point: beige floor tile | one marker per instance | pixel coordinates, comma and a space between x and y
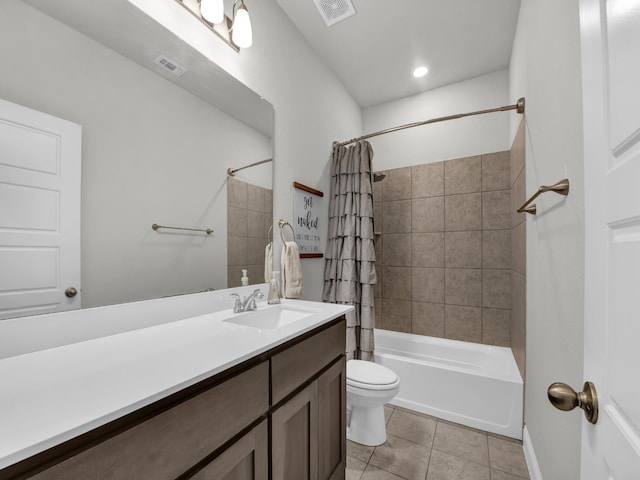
500, 475
401, 457
388, 411
461, 442
412, 427
355, 468
373, 473
507, 456
359, 452
447, 467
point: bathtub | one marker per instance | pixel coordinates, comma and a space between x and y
467, 383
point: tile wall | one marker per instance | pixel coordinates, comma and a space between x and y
444, 249
249, 216
518, 249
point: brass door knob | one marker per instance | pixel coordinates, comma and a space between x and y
71, 292
563, 397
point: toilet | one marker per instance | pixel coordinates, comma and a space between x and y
369, 387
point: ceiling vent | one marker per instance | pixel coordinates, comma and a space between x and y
334, 11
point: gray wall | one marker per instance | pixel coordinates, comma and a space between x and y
546, 69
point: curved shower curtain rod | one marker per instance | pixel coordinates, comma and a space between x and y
518, 107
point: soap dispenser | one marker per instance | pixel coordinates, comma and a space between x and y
244, 280
274, 290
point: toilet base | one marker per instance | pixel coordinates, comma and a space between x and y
367, 425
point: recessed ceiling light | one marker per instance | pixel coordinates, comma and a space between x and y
420, 72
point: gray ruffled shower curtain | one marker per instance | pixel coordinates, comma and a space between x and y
350, 273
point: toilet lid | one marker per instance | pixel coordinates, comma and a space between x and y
362, 373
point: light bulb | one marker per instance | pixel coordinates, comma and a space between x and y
420, 72
212, 10
241, 33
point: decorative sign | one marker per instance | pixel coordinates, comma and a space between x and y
307, 208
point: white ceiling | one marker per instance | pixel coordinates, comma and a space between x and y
374, 52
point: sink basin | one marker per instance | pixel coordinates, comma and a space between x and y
271, 318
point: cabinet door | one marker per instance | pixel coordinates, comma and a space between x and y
294, 447
332, 408
247, 459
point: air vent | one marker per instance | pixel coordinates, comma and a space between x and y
170, 65
334, 11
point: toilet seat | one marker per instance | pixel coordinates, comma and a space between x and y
370, 376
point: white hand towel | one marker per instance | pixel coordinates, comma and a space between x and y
292, 285
268, 262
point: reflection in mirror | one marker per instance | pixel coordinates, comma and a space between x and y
155, 146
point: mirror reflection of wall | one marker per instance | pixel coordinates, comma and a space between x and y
152, 152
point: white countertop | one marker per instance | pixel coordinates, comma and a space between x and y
53, 395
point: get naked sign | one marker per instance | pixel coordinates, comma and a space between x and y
307, 208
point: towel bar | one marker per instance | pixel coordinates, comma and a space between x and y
561, 188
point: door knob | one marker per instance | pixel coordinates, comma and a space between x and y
563, 397
71, 292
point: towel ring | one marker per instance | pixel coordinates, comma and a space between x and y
282, 224
270, 234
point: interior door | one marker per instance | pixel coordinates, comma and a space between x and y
610, 40
39, 212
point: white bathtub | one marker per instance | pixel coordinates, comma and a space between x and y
471, 384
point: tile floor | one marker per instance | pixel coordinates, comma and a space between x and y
420, 447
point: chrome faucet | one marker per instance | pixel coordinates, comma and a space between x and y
248, 303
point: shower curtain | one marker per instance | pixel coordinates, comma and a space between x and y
350, 273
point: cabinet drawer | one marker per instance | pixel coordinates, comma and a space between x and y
168, 444
296, 365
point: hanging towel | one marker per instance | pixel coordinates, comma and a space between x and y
292, 286
268, 262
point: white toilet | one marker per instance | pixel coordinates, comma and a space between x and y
369, 387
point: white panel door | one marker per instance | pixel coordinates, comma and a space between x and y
39, 212
610, 31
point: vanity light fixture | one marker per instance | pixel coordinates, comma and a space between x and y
236, 33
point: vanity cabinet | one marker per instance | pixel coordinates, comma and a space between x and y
279, 415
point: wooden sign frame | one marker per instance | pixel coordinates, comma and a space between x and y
307, 209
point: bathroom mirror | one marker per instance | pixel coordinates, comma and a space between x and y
155, 146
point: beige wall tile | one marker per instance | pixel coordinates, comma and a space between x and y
396, 250
396, 216
396, 315
463, 323
237, 251
377, 288
396, 283
377, 216
496, 327
518, 197
268, 203
496, 288
463, 249
397, 184
237, 219
255, 224
427, 319
427, 249
427, 180
518, 249
463, 175
496, 211
379, 251
236, 193
427, 214
428, 285
255, 198
377, 310
463, 212
496, 171
255, 254
377, 191
496, 249
463, 287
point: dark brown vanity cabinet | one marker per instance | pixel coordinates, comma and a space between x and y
280, 415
